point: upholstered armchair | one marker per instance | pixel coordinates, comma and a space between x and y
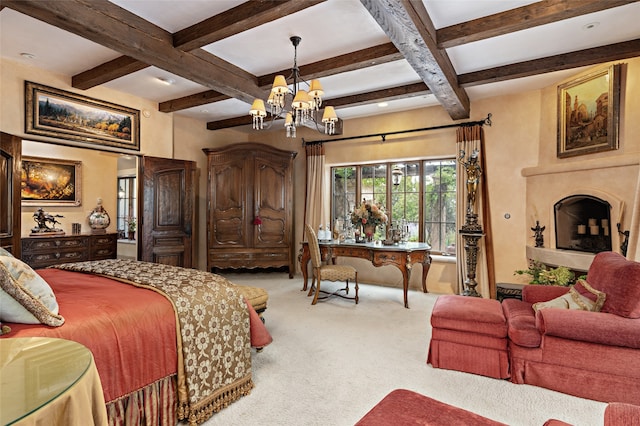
580, 352
328, 272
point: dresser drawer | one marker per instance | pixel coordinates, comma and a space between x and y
38, 244
42, 260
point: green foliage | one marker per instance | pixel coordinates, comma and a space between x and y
541, 274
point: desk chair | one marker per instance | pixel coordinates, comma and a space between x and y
328, 272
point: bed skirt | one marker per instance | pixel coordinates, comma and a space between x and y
155, 404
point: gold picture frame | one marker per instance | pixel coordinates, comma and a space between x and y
61, 114
589, 113
50, 182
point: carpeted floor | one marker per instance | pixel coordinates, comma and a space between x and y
330, 363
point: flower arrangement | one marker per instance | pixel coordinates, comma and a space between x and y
540, 274
369, 214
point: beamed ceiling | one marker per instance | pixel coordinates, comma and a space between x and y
221, 54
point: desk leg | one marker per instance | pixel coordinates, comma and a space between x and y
304, 257
406, 276
426, 264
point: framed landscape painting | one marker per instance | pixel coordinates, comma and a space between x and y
60, 114
589, 113
50, 182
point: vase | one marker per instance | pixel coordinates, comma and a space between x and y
369, 230
99, 219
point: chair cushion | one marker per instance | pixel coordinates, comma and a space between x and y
619, 278
521, 323
256, 296
337, 272
469, 314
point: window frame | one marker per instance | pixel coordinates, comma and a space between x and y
389, 192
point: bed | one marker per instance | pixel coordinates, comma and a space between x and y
169, 343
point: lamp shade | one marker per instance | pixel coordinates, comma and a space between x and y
329, 115
301, 101
315, 89
258, 109
279, 84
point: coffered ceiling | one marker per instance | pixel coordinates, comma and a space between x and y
218, 55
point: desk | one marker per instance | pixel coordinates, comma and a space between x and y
402, 256
49, 381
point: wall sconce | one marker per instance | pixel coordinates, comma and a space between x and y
396, 175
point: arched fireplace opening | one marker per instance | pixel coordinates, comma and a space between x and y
583, 223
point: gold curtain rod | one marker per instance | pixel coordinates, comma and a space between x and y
486, 121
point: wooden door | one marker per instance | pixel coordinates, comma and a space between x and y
166, 219
10, 165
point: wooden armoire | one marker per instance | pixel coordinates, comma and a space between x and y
250, 207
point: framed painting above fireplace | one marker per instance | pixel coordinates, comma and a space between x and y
589, 113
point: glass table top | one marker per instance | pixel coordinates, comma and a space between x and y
36, 370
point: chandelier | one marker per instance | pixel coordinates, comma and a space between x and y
304, 106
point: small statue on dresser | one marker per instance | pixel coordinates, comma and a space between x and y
538, 230
46, 224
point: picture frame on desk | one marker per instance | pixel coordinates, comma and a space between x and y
589, 113
50, 182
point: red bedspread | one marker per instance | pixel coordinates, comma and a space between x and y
131, 331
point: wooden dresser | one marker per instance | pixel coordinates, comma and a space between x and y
250, 207
40, 252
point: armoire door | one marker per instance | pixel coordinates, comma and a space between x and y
10, 164
271, 203
230, 205
165, 224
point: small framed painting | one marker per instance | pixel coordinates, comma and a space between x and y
589, 113
50, 182
61, 114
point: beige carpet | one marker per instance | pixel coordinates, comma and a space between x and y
330, 363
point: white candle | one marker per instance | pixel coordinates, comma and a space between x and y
592, 222
594, 229
582, 229
606, 231
605, 223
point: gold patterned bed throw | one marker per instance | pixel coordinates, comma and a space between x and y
214, 330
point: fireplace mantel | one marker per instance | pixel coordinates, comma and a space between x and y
575, 260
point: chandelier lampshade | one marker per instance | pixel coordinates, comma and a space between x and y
304, 107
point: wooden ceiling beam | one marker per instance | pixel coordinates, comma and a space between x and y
521, 18
111, 26
564, 61
236, 20
390, 94
409, 27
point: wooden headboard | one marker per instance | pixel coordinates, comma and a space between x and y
10, 169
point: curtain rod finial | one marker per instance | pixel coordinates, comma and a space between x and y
487, 120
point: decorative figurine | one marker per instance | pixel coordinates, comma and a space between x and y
46, 224
99, 219
538, 234
625, 243
474, 171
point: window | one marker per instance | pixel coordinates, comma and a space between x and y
418, 195
126, 204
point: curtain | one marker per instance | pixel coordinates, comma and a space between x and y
633, 249
470, 138
314, 211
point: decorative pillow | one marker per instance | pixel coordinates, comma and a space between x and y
3, 252
24, 296
596, 296
571, 300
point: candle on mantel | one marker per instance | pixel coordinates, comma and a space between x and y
592, 222
606, 231
604, 223
594, 229
582, 229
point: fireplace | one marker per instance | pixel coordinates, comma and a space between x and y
583, 223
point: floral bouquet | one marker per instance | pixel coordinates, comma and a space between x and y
369, 214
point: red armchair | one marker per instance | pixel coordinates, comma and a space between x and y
588, 354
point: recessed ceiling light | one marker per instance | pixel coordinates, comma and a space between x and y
590, 26
383, 104
167, 81
27, 55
